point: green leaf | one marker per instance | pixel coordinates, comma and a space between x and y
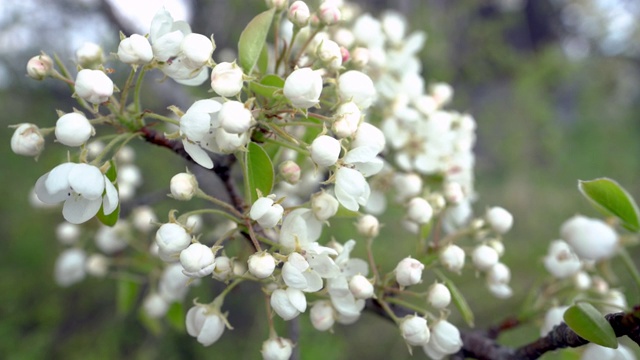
259, 171
589, 324
253, 39
127, 295
610, 198
267, 86
111, 219
458, 299
273, 81
176, 316
263, 59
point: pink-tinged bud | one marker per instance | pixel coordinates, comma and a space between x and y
328, 51
290, 171
299, 13
93, 86
73, 129
39, 67
27, 140
329, 13
409, 272
345, 54
226, 79
277, 349
414, 330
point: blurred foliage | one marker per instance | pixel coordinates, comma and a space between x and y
543, 123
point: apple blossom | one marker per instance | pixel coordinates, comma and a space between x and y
135, 50
172, 239
277, 348
27, 140
261, 264
299, 13
73, 129
358, 87
323, 205
445, 340
329, 13
94, 86
89, 55
347, 119
553, 317
409, 272
594, 351
414, 330
97, 265
82, 187
419, 211
328, 52
205, 324
226, 79
360, 287
266, 212
290, 171
368, 225
484, 257
155, 306
591, 239
223, 269
197, 260
111, 239
173, 285
234, 117
143, 218
303, 88
68, 233
561, 261
39, 67
322, 315
452, 258
439, 296
499, 219
288, 303
325, 150
351, 188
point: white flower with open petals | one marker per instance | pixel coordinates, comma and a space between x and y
352, 189
195, 125
94, 86
82, 187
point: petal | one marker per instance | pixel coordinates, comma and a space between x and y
45, 196
77, 209
323, 265
348, 201
195, 125
297, 299
211, 331
361, 154
371, 167
58, 179
208, 106
161, 24
87, 180
110, 200
194, 320
314, 281
198, 154
198, 79
293, 277
260, 207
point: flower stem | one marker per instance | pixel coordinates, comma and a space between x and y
126, 136
162, 118
238, 216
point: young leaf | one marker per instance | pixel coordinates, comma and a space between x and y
589, 324
458, 299
253, 38
610, 198
259, 171
111, 219
127, 295
263, 60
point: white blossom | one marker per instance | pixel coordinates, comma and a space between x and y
591, 239
356, 86
234, 117
205, 324
561, 261
112, 239
277, 349
73, 129
197, 260
361, 287
484, 257
303, 88
409, 272
226, 79
553, 317
155, 306
288, 303
94, 86
322, 315
266, 212
183, 186
27, 140
351, 188
261, 264
172, 239
595, 351
439, 296
452, 258
368, 225
135, 50
445, 340
499, 219
414, 330
299, 13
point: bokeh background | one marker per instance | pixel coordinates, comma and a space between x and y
553, 84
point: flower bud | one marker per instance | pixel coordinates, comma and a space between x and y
439, 296
347, 120
368, 226
111, 240
329, 13
135, 49
369, 135
97, 265
442, 93
561, 261
73, 129
183, 186
68, 233
407, 185
360, 287
303, 88
419, 210
453, 192
328, 51
205, 324
360, 57
322, 315
171, 239
591, 239
290, 171
173, 285
266, 212
261, 264
197, 50
499, 219
613, 301
89, 55
223, 269
197, 260
39, 67
499, 274
93, 86
234, 117
278, 4
582, 281
358, 87
324, 206
325, 150
452, 258
553, 317
143, 218
277, 349
484, 257
27, 140
299, 13
226, 79
445, 340
155, 306
70, 267
409, 272
414, 330
288, 303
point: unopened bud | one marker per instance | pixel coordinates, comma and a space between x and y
329, 13
323, 205
27, 140
452, 258
290, 171
369, 226
299, 13
183, 186
409, 272
39, 67
261, 265
439, 296
360, 287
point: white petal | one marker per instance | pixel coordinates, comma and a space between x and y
195, 125
161, 24
314, 281
323, 265
110, 200
297, 299
211, 331
58, 179
293, 277
87, 180
77, 209
346, 199
199, 79
370, 168
45, 196
205, 105
198, 154
346, 305
361, 154
260, 207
